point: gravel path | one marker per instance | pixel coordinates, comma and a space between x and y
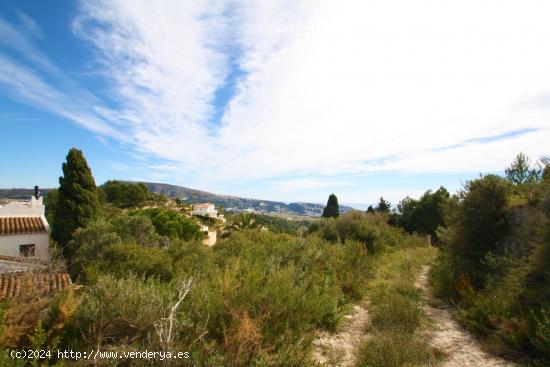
339, 348
461, 348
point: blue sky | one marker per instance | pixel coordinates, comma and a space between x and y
274, 99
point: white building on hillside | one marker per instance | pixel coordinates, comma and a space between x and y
205, 210
24, 230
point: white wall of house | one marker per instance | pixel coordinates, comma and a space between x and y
208, 211
205, 210
9, 244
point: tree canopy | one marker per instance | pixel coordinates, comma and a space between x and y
125, 195
424, 215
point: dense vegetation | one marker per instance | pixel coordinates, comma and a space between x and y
259, 296
256, 298
495, 260
424, 215
372, 230
124, 195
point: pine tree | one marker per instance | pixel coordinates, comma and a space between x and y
370, 209
383, 206
78, 201
331, 210
521, 172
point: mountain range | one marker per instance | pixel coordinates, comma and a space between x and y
230, 203
235, 203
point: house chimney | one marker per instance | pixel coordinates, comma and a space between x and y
36, 192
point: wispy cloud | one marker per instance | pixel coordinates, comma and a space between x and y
25, 79
242, 90
164, 65
488, 139
29, 88
21, 39
29, 25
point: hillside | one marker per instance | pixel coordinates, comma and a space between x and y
237, 203
197, 196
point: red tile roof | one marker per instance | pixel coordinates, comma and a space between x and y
16, 284
21, 225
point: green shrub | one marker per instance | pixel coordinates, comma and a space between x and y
396, 312
395, 349
371, 230
122, 258
442, 278
172, 224
119, 311
139, 229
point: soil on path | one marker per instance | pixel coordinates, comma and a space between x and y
461, 348
340, 348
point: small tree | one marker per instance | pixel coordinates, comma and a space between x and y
77, 203
370, 210
383, 206
520, 171
332, 209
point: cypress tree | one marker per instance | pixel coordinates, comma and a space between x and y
78, 201
331, 210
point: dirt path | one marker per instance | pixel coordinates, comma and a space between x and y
339, 348
461, 348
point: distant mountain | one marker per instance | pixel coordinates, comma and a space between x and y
20, 193
231, 203
236, 203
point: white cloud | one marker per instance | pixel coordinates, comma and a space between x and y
364, 81
161, 58
328, 86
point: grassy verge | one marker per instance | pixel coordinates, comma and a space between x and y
397, 319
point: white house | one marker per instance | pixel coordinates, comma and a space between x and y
24, 230
205, 210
